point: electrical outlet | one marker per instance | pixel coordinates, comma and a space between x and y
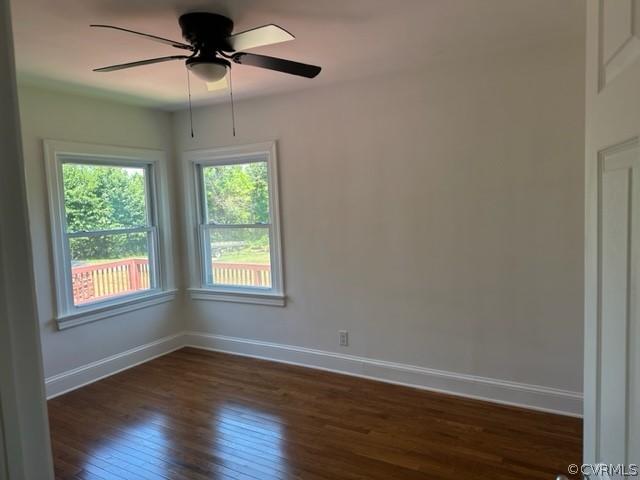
344, 338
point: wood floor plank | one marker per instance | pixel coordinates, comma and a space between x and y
194, 414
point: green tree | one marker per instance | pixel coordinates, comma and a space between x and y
238, 194
104, 198
260, 191
108, 197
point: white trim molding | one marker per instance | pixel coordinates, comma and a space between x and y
535, 397
125, 305
92, 372
197, 224
158, 227
237, 297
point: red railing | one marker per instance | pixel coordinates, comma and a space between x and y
103, 280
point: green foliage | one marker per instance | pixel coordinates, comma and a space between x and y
108, 197
237, 194
105, 198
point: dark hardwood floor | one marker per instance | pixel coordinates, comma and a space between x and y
194, 414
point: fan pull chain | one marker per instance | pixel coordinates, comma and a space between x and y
190, 109
233, 110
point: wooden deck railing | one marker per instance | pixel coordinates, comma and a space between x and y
246, 274
102, 280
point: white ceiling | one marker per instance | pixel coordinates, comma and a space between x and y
348, 38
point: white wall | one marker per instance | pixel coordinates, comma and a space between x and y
49, 115
436, 215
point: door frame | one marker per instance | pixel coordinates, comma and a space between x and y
24, 431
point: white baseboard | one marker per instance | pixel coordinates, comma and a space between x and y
94, 371
534, 397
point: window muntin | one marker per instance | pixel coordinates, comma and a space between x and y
109, 231
236, 225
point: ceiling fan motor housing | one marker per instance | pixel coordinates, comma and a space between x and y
207, 32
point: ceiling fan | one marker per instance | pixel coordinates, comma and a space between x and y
213, 47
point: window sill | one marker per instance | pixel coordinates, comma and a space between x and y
111, 310
255, 298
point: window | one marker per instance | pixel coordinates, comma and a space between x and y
105, 228
238, 230
109, 230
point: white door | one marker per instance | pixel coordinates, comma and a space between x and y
612, 268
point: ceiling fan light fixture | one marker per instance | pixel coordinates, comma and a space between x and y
209, 70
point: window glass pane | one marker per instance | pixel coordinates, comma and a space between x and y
237, 194
109, 266
240, 257
100, 197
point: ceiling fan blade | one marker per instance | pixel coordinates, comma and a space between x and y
155, 38
258, 37
139, 63
279, 64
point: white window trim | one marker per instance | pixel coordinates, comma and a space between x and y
56, 152
199, 289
